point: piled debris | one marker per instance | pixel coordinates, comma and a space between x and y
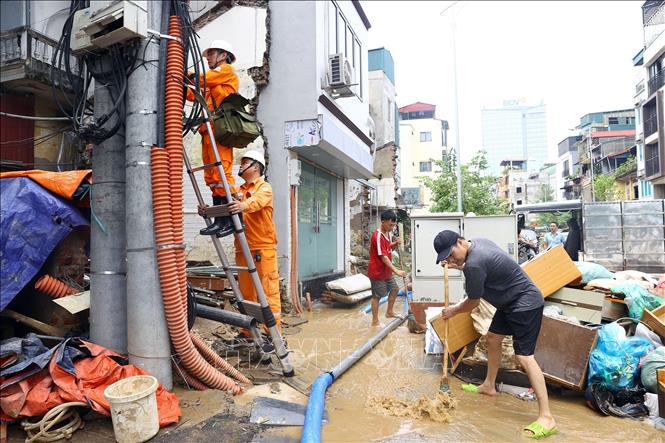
348, 290
597, 328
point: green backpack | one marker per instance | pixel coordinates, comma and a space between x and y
234, 126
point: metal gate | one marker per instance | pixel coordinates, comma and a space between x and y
625, 235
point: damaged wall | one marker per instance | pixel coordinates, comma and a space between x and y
246, 28
50, 139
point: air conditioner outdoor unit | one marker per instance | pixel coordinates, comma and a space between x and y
340, 76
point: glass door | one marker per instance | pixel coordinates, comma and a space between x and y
317, 222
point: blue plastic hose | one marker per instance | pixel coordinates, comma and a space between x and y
311, 432
367, 308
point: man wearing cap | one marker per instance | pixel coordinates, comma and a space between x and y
492, 274
256, 206
220, 81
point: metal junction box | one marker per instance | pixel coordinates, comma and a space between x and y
428, 275
105, 23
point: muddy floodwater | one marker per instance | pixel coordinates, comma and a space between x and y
399, 369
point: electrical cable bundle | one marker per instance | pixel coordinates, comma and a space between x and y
109, 67
192, 52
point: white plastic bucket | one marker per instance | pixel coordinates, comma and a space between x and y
133, 408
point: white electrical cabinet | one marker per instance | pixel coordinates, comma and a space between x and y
105, 23
427, 274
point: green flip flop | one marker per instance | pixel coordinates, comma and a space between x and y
468, 387
537, 431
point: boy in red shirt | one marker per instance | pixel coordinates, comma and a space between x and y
380, 270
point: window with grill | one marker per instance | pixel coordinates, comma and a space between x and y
425, 166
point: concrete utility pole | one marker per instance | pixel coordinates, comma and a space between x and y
458, 151
148, 340
108, 297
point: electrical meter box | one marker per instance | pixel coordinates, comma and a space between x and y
105, 23
427, 274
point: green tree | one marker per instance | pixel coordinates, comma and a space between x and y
543, 219
545, 193
604, 187
478, 191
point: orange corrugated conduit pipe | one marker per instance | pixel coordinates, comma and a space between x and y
167, 166
217, 361
54, 287
192, 382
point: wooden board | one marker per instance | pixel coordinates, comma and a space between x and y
583, 305
552, 270
563, 352
461, 330
75, 303
614, 309
34, 324
210, 282
655, 319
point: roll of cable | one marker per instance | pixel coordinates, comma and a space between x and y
57, 424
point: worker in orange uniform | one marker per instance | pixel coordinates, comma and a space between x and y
220, 81
256, 206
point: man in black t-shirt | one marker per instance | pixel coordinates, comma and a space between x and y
492, 274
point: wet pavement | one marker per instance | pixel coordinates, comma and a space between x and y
398, 367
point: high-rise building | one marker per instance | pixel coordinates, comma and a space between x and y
516, 131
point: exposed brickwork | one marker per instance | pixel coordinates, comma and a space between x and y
68, 261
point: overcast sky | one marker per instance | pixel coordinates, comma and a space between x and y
574, 56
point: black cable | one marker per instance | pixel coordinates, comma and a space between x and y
109, 68
193, 51
165, 11
36, 139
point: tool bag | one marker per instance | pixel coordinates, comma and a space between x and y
234, 126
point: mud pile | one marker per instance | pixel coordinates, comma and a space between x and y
436, 409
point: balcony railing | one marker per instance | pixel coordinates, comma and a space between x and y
652, 161
27, 46
651, 124
656, 81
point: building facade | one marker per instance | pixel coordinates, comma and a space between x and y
516, 131
316, 125
423, 140
607, 142
652, 179
30, 31
383, 112
370, 197
645, 188
518, 186
567, 169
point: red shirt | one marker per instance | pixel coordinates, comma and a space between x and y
379, 245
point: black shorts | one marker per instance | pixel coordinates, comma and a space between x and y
524, 326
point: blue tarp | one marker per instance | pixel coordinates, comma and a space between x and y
32, 223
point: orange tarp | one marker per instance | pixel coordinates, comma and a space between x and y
52, 386
63, 184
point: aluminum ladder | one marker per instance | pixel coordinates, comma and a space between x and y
261, 310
